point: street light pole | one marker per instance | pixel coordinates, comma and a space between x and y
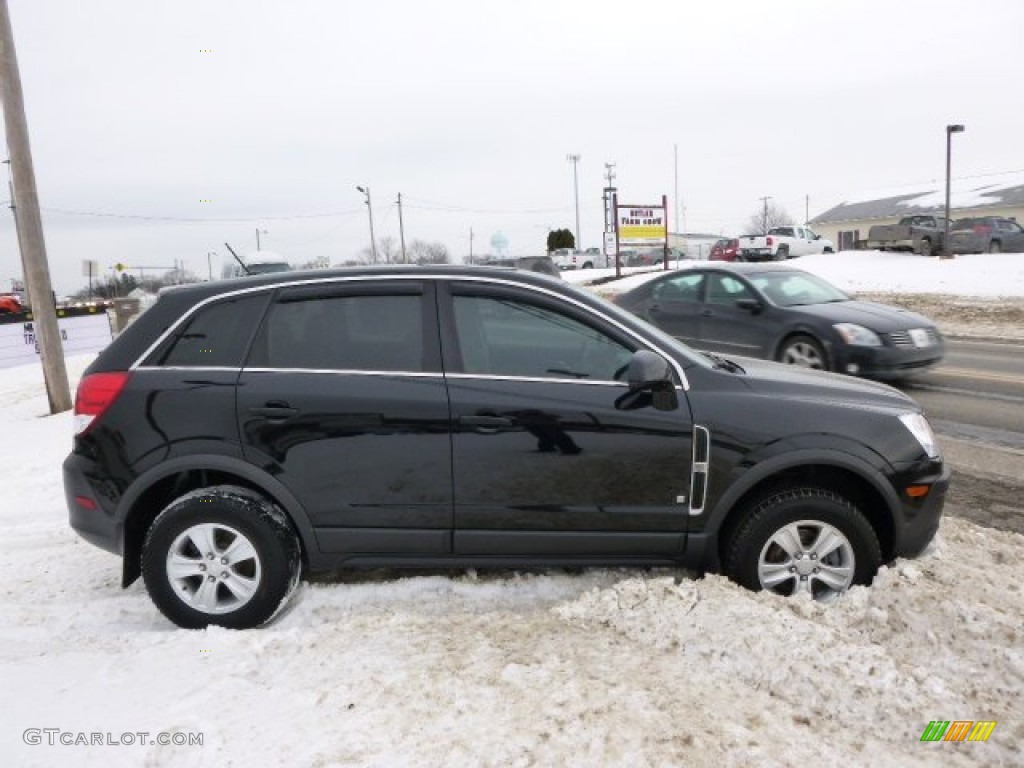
575, 159
950, 130
369, 208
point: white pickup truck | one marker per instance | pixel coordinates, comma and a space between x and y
567, 258
783, 243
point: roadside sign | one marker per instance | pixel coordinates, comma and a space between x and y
609, 243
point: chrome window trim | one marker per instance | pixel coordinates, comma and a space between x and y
221, 368
351, 372
646, 343
540, 379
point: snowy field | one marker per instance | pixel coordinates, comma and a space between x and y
592, 668
984, 275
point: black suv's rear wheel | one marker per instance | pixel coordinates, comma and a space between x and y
804, 540
223, 555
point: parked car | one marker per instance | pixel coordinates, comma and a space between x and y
725, 250
10, 304
986, 234
781, 243
543, 264
241, 432
779, 313
643, 258
923, 234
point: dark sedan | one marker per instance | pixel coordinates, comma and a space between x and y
779, 313
987, 234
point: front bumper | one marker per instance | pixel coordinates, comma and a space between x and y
920, 517
885, 362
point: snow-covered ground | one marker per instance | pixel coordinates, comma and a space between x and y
603, 667
983, 275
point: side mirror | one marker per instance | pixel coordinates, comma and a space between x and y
751, 305
650, 376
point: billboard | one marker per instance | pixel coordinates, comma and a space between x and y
80, 333
642, 225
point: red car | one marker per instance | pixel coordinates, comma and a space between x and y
9, 302
725, 250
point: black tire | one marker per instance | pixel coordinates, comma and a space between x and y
829, 250
783, 253
995, 247
926, 247
587, 265
836, 547
805, 351
231, 538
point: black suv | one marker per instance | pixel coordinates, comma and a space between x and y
242, 431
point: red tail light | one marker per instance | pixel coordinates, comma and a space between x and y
96, 393
981, 229
770, 241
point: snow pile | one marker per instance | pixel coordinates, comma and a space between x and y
602, 667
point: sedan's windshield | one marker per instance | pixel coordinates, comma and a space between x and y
791, 288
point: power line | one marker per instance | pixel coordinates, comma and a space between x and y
188, 219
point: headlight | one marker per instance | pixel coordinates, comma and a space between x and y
919, 427
857, 335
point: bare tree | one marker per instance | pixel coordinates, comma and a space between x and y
423, 252
766, 218
387, 250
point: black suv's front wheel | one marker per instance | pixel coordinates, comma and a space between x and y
804, 540
223, 555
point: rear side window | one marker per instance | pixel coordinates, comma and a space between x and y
216, 335
358, 333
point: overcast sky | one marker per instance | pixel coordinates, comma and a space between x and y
274, 112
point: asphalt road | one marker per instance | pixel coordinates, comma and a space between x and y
977, 393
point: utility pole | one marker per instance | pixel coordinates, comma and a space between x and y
610, 246
401, 226
575, 160
33, 256
764, 221
209, 263
675, 167
807, 209
470, 245
369, 208
258, 237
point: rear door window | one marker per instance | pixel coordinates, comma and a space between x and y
360, 332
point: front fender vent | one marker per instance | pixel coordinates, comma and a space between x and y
699, 471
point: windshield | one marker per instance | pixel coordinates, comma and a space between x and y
791, 288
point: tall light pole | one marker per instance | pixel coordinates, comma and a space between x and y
950, 130
575, 159
369, 208
258, 233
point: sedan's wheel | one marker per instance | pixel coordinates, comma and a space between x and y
803, 351
222, 555
995, 247
804, 540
